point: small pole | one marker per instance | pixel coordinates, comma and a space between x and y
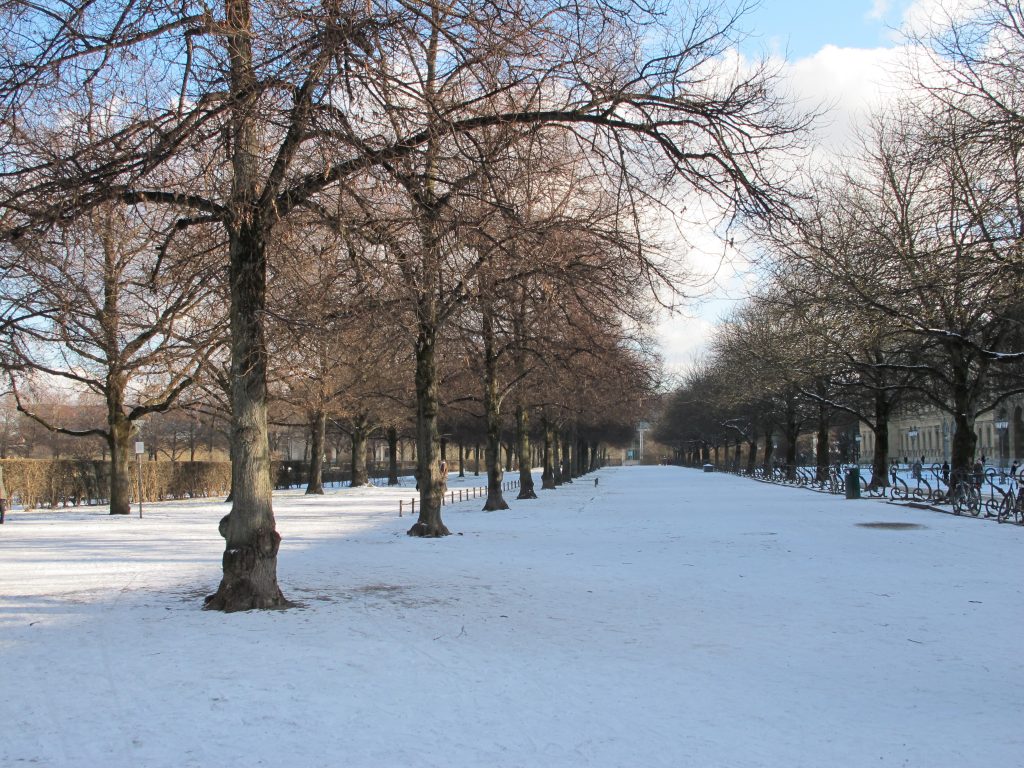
140, 448
399, 507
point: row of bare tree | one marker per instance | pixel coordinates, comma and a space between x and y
359, 187
901, 282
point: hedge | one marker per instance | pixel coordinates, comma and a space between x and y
71, 482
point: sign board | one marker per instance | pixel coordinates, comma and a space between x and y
140, 448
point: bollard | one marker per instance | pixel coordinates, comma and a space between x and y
399, 507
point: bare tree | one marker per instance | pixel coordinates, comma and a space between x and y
240, 116
112, 317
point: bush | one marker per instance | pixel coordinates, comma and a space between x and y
70, 482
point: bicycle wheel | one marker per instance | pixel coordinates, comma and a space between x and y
1005, 509
974, 502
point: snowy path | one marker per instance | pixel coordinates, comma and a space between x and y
664, 618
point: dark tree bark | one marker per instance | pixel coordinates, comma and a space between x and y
119, 442
880, 458
431, 484
360, 435
318, 430
822, 447
556, 457
252, 541
526, 490
769, 447
547, 478
492, 417
392, 435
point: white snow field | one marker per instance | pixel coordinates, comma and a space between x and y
665, 617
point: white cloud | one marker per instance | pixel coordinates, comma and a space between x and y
878, 10
852, 83
924, 17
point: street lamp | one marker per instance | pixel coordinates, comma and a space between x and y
642, 427
856, 450
912, 434
140, 448
1002, 426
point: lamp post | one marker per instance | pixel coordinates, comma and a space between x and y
856, 448
912, 435
1002, 426
642, 427
140, 448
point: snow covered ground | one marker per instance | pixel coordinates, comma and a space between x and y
663, 618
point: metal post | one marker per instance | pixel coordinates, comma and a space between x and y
140, 448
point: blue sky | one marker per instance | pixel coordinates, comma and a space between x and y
800, 28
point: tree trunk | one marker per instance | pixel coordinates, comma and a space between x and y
462, 459
476, 460
392, 456
318, 430
492, 417
250, 557
822, 448
566, 460
428, 468
965, 440
119, 438
880, 459
751, 453
360, 476
547, 478
252, 540
769, 447
526, 490
556, 456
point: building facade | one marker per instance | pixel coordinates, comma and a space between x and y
926, 431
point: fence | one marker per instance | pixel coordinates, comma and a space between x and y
992, 494
456, 495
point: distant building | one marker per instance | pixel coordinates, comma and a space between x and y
926, 431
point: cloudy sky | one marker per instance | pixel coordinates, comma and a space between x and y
841, 53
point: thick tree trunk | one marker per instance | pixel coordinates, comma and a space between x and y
428, 468
566, 459
252, 541
392, 435
965, 440
556, 456
318, 430
822, 448
880, 459
462, 459
476, 460
751, 454
492, 418
249, 530
360, 475
526, 490
769, 447
119, 442
547, 478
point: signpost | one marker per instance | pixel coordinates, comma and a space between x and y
140, 448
